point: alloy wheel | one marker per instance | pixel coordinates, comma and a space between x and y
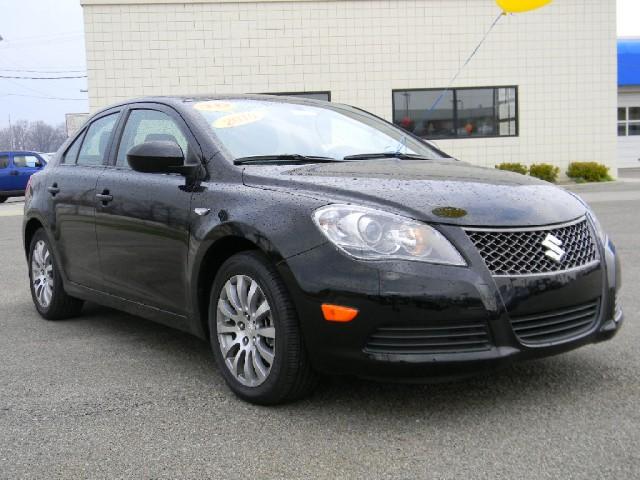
42, 274
246, 331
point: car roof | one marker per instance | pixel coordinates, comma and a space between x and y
181, 100
19, 152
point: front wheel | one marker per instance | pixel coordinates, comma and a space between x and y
3, 199
255, 335
47, 291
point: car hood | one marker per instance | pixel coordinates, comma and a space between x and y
446, 191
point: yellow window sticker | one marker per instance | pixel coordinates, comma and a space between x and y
214, 106
238, 119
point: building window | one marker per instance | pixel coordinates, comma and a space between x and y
628, 121
458, 113
326, 96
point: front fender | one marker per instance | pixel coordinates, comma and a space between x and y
277, 223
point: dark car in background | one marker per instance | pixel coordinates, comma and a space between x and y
15, 170
303, 238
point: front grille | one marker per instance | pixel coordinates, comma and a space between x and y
521, 252
468, 337
557, 325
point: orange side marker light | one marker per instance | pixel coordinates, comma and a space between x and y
337, 313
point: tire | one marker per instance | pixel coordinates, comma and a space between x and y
47, 291
247, 335
3, 199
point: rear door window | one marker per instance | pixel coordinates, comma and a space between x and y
96, 142
4, 161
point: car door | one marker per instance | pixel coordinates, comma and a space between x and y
5, 178
13, 179
26, 164
71, 186
142, 225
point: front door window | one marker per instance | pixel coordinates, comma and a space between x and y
145, 126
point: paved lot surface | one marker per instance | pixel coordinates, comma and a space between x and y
109, 395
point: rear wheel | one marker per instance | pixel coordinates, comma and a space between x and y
3, 199
48, 294
255, 334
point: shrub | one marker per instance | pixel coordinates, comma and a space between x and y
513, 167
544, 171
588, 172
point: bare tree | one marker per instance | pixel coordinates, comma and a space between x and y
42, 137
5, 139
38, 136
20, 132
60, 137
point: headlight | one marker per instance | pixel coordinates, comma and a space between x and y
371, 234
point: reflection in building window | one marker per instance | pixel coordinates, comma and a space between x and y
458, 113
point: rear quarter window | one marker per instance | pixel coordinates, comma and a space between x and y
70, 156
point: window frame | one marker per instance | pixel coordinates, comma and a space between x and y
107, 156
455, 110
81, 137
627, 122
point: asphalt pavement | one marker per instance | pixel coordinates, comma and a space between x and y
109, 395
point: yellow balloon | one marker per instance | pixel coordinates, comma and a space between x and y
519, 6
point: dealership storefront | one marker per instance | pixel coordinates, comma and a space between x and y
629, 103
541, 89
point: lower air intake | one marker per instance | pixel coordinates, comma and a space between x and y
469, 337
557, 325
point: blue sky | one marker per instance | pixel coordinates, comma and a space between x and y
47, 35
41, 35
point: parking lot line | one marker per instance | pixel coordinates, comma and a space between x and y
12, 209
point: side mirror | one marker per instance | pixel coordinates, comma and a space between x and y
158, 156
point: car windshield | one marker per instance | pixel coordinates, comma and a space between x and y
256, 128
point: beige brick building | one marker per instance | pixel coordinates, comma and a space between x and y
548, 77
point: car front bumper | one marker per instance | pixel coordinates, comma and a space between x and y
404, 308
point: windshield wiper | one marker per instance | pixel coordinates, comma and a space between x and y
401, 156
284, 159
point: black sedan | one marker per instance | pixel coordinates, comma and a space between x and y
304, 238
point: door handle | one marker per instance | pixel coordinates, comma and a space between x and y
53, 189
104, 197
14, 173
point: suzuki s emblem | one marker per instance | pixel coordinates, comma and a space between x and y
554, 248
